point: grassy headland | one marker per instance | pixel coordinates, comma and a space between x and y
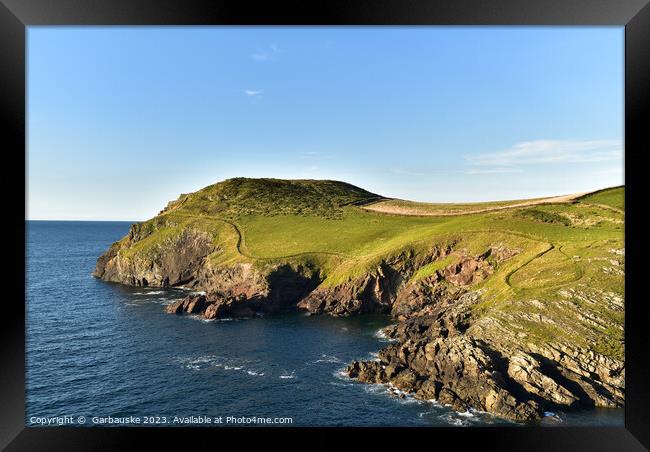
325, 224
544, 277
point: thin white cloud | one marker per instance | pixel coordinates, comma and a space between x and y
403, 172
492, 170
266, 54
309, 154
315, 155
252, 92
544, 152
616, 171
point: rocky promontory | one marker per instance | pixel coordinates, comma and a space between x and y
487, 316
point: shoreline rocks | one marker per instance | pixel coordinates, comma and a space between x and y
466, 362
215, 307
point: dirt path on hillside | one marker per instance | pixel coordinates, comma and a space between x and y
605, 206
241, 241
385, 207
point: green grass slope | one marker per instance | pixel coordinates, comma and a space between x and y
612, 197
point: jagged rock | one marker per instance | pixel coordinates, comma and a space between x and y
449, 397
368, 372
175, 263
456, 371
215, 310
468, 271
373, 293
192, 304
525, 370
176, 307
429, 390
196, 304
424, 297
406, 380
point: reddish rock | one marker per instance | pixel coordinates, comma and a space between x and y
468, 271
215, 310
176, 307
192, 304
196, 304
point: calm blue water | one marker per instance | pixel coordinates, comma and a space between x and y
101, 349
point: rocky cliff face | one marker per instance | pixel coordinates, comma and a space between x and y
244, 293
446, 352
443, 349
376, 291
236, 289
467, 362
173, 264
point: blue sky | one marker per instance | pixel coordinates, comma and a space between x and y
122, 120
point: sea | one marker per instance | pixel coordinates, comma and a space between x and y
100, 354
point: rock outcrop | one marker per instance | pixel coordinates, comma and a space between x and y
466, 362
173, 264
213, 307
375, 292
236, 296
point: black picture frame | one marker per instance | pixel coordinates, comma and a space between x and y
634, 15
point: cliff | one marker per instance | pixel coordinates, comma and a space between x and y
512, 308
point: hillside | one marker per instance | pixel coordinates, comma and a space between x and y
510, 307
240, 196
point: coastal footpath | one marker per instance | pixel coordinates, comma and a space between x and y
513, 308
